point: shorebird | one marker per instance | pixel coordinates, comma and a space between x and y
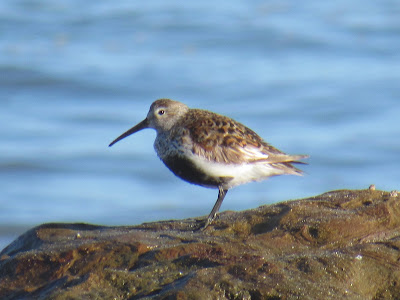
211, 150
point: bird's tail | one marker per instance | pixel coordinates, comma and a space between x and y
286, 161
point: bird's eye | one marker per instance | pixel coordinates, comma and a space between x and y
161, 112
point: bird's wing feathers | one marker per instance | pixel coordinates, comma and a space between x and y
221, 139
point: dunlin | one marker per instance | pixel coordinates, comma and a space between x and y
211, 150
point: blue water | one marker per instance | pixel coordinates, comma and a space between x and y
311, 77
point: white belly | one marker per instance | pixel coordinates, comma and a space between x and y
240, 173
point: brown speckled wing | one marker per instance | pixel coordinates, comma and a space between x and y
223, 140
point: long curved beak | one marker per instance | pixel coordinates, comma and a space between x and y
142, 125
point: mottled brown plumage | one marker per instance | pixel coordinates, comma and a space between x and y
220, 139
211, 150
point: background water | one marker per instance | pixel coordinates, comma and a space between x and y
312, 77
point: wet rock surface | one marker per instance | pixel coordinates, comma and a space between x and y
338, 245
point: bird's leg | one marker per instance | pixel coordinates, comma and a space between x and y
217, 205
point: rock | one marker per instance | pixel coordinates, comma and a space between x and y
339, 245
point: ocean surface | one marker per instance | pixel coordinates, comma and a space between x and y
310, 77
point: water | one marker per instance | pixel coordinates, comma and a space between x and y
310, 77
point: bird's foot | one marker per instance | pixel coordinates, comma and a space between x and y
206, 223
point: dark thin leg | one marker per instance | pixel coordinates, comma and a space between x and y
217, 205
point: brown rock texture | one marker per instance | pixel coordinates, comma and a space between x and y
339, 245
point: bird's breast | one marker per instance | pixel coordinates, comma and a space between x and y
166, 146
177, 155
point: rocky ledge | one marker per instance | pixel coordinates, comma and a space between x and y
339, 245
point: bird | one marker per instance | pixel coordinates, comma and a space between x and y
211, 150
